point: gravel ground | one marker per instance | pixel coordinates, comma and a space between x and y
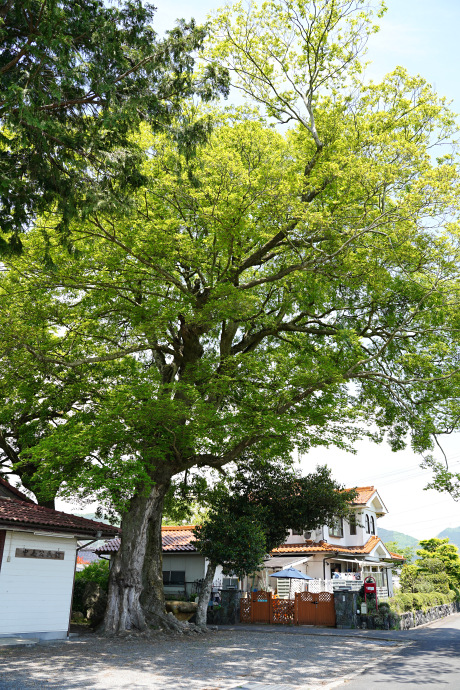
222, 659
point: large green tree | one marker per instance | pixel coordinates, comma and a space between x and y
76, 79
278, 289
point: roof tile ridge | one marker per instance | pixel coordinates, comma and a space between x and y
45, 509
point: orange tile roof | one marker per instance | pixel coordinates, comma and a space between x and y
364, 494
324, 546
397, 556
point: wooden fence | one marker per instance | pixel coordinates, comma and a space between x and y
307, 608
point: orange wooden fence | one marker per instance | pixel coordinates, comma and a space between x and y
306, 609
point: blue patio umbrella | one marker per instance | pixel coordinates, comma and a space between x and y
291, 574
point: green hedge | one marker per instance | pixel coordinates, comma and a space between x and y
419, 601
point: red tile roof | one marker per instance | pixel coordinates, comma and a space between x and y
174, 538
13, 490
178, 538
27, 514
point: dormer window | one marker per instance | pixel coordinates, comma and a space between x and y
368, 524
336, 530
372, 525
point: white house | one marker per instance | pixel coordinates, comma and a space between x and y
339, 557
38, 552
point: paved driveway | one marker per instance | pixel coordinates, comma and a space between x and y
220, 660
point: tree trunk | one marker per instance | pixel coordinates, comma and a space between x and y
205, 595
127, 576
152, 598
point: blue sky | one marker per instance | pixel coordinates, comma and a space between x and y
422, 36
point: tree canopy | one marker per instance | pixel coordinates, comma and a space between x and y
76, 79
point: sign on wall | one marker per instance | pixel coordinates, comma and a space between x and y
40, 553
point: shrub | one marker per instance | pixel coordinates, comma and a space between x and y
94, 572
419, 601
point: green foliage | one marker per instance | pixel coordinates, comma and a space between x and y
407, 552
237, 543
436, 570
94, 572
438, 555
77, 78
419, 601
250, 513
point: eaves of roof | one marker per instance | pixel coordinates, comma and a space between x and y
28, 515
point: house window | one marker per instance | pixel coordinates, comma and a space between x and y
336, 530
372, 525
368, 525
352, 524
174, 577
296, 533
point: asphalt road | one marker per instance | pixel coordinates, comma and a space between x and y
432, 661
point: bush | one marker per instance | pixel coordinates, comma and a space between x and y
419, 601
415, 579
94, 572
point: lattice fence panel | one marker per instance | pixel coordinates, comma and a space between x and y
320, 586
306, 596
325, 596
260, 596
283, 611
245, 610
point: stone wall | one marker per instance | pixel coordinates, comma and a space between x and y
346, 609
408, 620
228, 611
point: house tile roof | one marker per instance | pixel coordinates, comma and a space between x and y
28, 514
178, 538
7, 488
181, 538
174, 538
397, 556
325, 547
364, 494
110, 546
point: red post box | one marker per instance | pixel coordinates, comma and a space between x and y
370, 587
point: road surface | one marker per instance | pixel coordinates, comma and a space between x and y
432, 661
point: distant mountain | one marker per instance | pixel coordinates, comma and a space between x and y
453, 533
402, 539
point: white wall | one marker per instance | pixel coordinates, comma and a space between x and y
35, 593
193, 565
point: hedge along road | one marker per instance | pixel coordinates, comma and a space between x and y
433, 660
